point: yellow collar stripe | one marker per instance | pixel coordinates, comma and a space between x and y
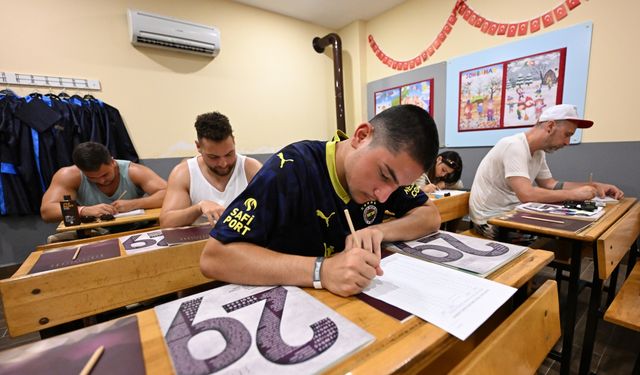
331, 166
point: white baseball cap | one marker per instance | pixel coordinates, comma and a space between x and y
567, 112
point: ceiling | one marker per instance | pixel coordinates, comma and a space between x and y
332, 14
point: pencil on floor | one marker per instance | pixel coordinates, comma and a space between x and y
86, 370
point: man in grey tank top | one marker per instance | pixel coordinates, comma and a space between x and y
102, 185
202, 187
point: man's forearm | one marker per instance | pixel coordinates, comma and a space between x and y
245, 263
180, 217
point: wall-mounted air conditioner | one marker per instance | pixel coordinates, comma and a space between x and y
152, 30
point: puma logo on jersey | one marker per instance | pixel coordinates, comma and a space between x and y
283, 160
323, 217
250, 204
328, 250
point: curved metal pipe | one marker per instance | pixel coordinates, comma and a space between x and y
319, 45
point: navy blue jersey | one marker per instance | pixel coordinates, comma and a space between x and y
295, 204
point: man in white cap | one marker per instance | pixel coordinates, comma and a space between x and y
505, 176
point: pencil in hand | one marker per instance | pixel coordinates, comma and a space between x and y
86, 370
122, 195
353, 230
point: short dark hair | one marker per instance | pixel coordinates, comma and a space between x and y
90, 156
407, 128
214, 126
453, 160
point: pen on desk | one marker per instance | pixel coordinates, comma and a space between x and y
122, 195
353, 230
86, 370
541, 219
75, 255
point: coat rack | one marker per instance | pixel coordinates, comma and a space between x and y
48, 81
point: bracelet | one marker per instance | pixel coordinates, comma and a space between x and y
316, 272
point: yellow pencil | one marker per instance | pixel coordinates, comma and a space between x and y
122, 195
75, 255
353, 230
86, 370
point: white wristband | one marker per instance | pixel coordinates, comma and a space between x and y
316, 272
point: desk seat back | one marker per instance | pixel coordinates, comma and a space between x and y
522, 341
614, 244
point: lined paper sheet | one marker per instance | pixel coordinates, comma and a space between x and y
453, 300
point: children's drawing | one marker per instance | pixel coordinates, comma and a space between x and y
533, 83
480, 98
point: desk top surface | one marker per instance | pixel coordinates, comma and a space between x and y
149, 215
398, 345
613, 212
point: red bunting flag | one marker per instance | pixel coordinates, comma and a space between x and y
436, 44
452, 19
424, 55
405, 65
442, 37
534, 25
385, 59
447, 28
522, 28
462, 9
485, 27
479, 21
431, 50
472, 18
547, 19
412, 64
417, 60
560, 12
572, 3
512, 29
493, 27
502, 29
394, 64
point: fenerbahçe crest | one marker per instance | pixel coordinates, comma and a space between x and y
239, 220
369, 212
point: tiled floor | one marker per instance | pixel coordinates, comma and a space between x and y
614, 351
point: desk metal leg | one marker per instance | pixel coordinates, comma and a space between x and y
592, 322
570, 312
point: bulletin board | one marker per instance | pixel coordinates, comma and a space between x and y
497, 92
424, 87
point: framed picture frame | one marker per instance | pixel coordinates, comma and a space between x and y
418, 93
386, 98
480, 98
533, 83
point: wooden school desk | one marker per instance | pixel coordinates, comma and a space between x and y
453, 207
33, 302
407, 347
151, 214
588, 239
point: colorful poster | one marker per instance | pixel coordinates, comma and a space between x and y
419, 93
533, 83
386, 99
480, 98
263, 330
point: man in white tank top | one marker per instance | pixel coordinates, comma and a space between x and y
204, 185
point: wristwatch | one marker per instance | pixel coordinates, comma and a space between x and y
316, 272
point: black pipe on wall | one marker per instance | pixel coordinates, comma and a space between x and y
319, 45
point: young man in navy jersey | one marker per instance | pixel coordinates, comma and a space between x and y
289, 228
